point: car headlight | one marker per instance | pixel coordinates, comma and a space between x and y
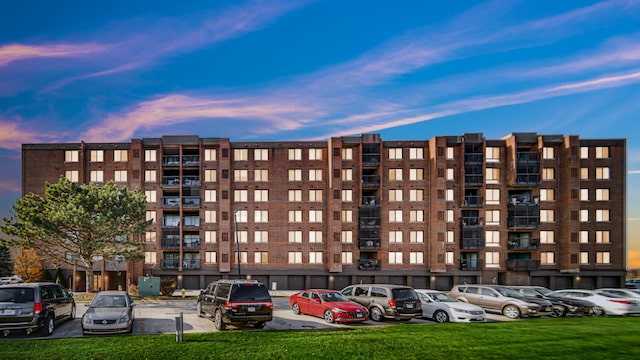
460, 310
532, 306
340, 311
124, 319
86, 319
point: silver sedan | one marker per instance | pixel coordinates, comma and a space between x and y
110, 312
441, 308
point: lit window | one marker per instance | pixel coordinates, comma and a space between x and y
416, 216
492, 238
347, 257
315, 174
150, 236
602, 173
395, 153
261, 195
395, 195
210, 216
120, 176
120, 155
210, 154
493, 154
602, 194
210, 257
295, 216
295, 257
450, 216
395, 216
261, 236
97, 176
241, 236
548, 174
416, 195
210, 195
315, 257
547, 195
450, 174
346, 216
347, 195
547, 153
584, 237
261, 216
547, 258
395, 174
151, 196
584, 152
150, 215
210, 236
492, 259
416, 236
315, 195
448, 258
584, 257
547, 237
602, 237
584, 173
493, 196
547, 216
347, 174
240, 195
71, 156
240, 154
261, 257
71, 175
243, 255
241, 216
261, 175
150, 155
315, 154
602, 215
416, 174
416, 153
210, 176
149, 257
295, 195
315, 216
492, 217
603, 257
450, 237
450, 153
493, 175
241, 175
602, 152
96, 155
261, 154
416, 257
347, 154
295, 175
395, 257
346, 237
315, 236
395, 237
295, 154
150, 176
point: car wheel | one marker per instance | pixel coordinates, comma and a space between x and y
73, 313
558, 311
296, 309
511, 311
376, 314
217, 321
259, 324
328, 316
49, 326
598, 311
441, 316
199, 309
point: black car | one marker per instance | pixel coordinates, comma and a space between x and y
31, 307
236, 302
562, 305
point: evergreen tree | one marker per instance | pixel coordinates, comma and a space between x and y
6, 262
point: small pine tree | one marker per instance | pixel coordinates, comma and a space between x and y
6, 262
60, 278
46, 276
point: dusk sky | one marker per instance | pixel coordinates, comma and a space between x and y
310, 70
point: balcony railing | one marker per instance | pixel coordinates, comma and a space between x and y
369, 244
370, 180
190, 160
171, 160
469, 221
527, 179
523, 221
189, 201
170, 264
171, 242
370, 159
369, 264
171, 221
473, 158
191, 264
472, 201
191, 181
171, 181
472, 243
370, 201
172, 201
523, 264
191, 221
529, 157
174, 264
470, 264
370, 223
523, 244
191, 242
526, 200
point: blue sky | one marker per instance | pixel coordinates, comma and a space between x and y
283, 70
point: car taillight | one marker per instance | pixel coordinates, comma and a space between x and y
626, 302
230, 305
392, 304
37, 308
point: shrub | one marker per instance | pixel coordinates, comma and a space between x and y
167, 286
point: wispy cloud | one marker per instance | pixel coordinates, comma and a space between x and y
16, 52
13, 135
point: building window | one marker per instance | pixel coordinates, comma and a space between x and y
602, 194
150, 215
240, 154
416, 236
96, 155
492, 238
150, 236
584, 215
548, 174
602, 152
547, 237
346, 216
346, 237
243, 255
295, 174
450, 153
295, 154
416, 174
603, 258
416, 153
602, 173
547, 195
493, 176
547, 216
71, 175
315, 195
261, 236
395, 195
602, 215
241, 175
416, 195
584, 152
210, 236
71, 156
547, 258
395, 237
347, 154
347, 195
150, 155
120, 176
416, 257
261, 257
416, 215
149, 257
151, 196
261, 216
547, 153
242, 236
315, 216
450, 174
295, 216
295, 195
315, 257
210, 154
210, 176
150, 176
602, 237
315, 236
492, 259
315, 174
584, 257
450, 239
210, 195
450, 216
395, 257
584, 194
584, 173
315, 154
97, 176
449, 195
448, 258
584, 237
261, 175
210, 257
395, 153
395, 216
493, 196
347, 174
295, 257
120, 155
492, 217
241, 216
347, 257
395, 174
210, 216
261, 195
260, 154
492, 154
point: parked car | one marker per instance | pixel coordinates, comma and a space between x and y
605, 303
629, 293
632, 284
13, 279
500, 298
34, 306
386, 300
236, 302
562, 305
110, 312
330, 305
442, 308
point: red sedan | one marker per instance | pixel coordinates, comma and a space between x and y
327, 304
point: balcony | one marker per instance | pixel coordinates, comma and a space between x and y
523, 222
169, 264
470, 264
523, 244
471, 222
191, 242
170, 181
171, 242
171, 202
191, 201
472, 201
171, 221
473, 158
370, 159
369, 264
191, 264
190, 181
191, 221
370, 201
473, 180
190, 160
370, 181
174, 264
471, 243
527, 179
171, 160
369, 244
370, 223
524, 200
523, 265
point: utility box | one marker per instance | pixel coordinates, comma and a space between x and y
148, 286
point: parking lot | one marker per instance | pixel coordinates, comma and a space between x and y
158, 317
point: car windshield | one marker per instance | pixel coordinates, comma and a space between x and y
404, 293
250, 292
109, 301
441, 297
544, 291
333, 297
16, 295
508, 292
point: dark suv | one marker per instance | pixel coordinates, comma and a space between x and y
236, 302
34, 306
386, 301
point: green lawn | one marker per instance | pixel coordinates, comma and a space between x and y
570, 338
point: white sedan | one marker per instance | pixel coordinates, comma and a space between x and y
442, 308
605, 302
630, 293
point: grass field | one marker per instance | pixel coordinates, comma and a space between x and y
568, 338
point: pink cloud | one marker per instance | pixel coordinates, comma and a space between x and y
12, 135
16, 52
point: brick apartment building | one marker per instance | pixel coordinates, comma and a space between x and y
525, 209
